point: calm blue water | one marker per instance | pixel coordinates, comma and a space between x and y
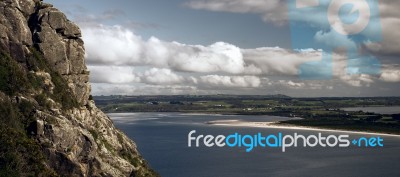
162, 140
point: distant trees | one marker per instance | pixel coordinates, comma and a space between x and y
176, 102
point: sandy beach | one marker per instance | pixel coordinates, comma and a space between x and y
275, 125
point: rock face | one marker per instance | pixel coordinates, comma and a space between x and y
74, 136
59, 41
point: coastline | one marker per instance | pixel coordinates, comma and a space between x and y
276, 125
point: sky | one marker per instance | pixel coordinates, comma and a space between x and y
254, 47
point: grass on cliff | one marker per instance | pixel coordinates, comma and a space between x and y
12, 77
19, 154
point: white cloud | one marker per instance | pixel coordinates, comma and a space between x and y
107, 45
113, 52
294, 84
111, 45
390, 75
231, 81
112, 74
277, 61
126, 89
218, 57
290, 84
358, 80
118, 46
161, 77
305, 84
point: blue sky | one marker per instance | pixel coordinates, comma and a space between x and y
150, 47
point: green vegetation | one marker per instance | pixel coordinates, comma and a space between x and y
318, 112
42, 100
101, 141
108, 146
62, 93
19, 154
12, 77
94, 134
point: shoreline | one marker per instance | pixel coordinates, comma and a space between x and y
275, 125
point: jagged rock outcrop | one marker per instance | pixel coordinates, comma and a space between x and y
59, 41
46, 85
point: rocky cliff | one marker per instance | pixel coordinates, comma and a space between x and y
49, 126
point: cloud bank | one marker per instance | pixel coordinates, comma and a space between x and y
114, 45
118, 57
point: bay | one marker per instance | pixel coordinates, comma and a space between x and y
163, 142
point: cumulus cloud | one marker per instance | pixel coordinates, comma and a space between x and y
115, 45
161, 77
166, 77
113, 52
126, 89
295, 85
118, 46
214, 58
111, 45
390, 75
231, 81
277, 61
112, 74
358, 80
305, 85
